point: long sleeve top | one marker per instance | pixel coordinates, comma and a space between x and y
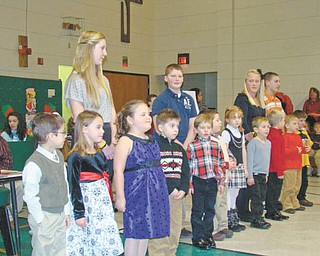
31, 177
6, 160
292, 156
305, 155
258, 157
206, 160
175, 165
277, 148
249, 111
77, 164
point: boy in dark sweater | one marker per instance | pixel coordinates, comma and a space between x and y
45, 187
175, 166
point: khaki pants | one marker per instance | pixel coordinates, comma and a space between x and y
316, 155
290, 189
48, 237
167, 246
221, 209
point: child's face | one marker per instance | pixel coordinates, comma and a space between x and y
316, 128
292, 126
216, 124
59, 138
13, 122
235, 121
302, 123
151, 102
94, 131
99, 52
204, 130
174, 80
170, 129
263, 129
280, 125
274, 84
141, 120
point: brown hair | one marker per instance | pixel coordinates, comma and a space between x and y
45, 123
300, 114
165, 115
231, 113
84, 119
128, 109
203, 118
256, 122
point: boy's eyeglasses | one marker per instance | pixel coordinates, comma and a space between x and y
63, 133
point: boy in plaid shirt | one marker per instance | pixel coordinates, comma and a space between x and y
207, 167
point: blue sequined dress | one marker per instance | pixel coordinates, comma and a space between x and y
147, 205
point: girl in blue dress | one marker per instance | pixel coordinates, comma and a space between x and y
139, 180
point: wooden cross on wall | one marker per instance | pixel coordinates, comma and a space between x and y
125, 36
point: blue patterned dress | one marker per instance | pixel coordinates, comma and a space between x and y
147, 212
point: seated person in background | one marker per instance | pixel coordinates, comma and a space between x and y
312, 107
6, 162
15, 127
315, 150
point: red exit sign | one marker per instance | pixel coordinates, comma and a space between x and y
183, 58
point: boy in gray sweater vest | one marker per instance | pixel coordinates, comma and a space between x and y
45, 187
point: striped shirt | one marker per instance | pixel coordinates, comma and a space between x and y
206, 160
272, 103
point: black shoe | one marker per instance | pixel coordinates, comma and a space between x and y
301, 208
290, 211
264, 222
284, 217
260, 225
274, 216
235, 228
202, 244
241, 227
211, 242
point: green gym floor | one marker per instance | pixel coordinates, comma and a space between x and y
297, 236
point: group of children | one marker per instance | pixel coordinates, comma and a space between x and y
71, 207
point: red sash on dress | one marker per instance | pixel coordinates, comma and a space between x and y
95, 176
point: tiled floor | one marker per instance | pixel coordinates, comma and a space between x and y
300, 235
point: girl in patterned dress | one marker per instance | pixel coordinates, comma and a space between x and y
139, 180
93, 229
234, 138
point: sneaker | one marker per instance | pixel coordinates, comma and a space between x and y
185, 233
219, 236
301, 208
228, 233
290, 211
306, 203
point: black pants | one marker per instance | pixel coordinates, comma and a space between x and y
304, 184
242, 204
258, 196
274, 186
202, 212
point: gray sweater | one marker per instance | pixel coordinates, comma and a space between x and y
259, 154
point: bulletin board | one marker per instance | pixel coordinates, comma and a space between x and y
13, 93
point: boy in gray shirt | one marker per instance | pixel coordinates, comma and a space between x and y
259, 152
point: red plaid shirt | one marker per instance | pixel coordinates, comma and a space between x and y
206, 160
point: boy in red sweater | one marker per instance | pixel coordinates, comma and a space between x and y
276, 169
292, 165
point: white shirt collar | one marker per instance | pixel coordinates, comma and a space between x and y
52, 156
